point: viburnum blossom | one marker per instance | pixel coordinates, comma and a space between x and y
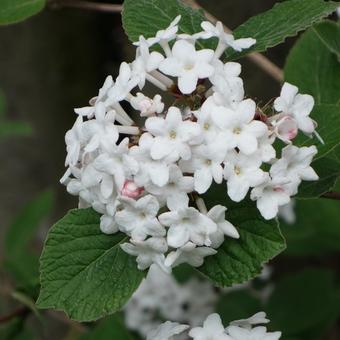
196, 131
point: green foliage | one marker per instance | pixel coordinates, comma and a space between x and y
20, 260
316, 230
111, 327
12, 11
329, 34
146, 17
10, 128
83, 271
301, 302
315, 70
237, 305
240, 260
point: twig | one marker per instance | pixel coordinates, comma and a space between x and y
86, 5
18, 312
257, 58
332, 195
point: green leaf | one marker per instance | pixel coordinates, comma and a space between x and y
110, 328
240, 304
240, 260
328, 170
284, 20
20, 260
303, 300
316, 231
329, 34
83, 271
12, 11
146, 17
10, 129
315, 70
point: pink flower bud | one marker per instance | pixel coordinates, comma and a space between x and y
286, 128
131, 190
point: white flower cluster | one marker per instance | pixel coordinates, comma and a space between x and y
160, 297
213, 329
146, 181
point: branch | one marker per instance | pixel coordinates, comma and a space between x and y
332, 195
257, 58
18, 312
85, 5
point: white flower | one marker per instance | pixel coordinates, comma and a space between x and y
148, 252
173, 135
187, 224
242, 172
147, 106
108, 224
256, 319
227, 83
145, 61
189, 253
206, 165
257, 333
176, 188
297, 105
150, 170
225, 39
116, 162
188, 65
166, 331
295, 165
240, 129
287, 212
138, 218
270, 195
125, 82
167, 34
285, 128
212, 329
224, 227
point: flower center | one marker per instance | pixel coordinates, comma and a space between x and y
189, 66
237, 131
172, 134
237, 170
206, 126
208, 162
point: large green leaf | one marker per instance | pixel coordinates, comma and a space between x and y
315, 70
240, 260
146, 17
12, 11
83, 271
284, 20
329, 34
302, 301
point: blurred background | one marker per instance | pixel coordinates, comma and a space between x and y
56, 61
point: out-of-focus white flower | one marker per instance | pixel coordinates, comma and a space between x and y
188, 65
287, 212
256, 319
